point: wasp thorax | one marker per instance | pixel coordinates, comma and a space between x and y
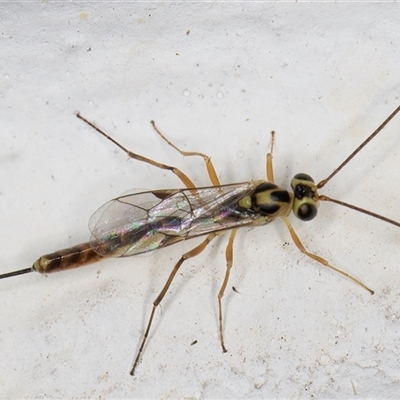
268, 200
305, 205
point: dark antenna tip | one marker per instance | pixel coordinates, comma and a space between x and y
359, 148
15, 273
359, 209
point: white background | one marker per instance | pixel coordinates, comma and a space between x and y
217, 78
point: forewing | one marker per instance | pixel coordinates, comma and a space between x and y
141, 222
127, 225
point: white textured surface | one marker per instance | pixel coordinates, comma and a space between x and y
217, 78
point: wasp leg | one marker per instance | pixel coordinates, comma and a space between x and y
321, 260
229, 261
183, 177
192, 253
269, 166
207, 160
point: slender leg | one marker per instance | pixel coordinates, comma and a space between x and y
207, 160
229, 250
269, 166
229, 261
321, 260
190, 185
192, 253
183, 177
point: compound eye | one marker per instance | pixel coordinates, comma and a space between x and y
303, 177
306, 212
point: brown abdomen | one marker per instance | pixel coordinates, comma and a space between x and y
76, 256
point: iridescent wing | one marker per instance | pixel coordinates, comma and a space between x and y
141, 222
